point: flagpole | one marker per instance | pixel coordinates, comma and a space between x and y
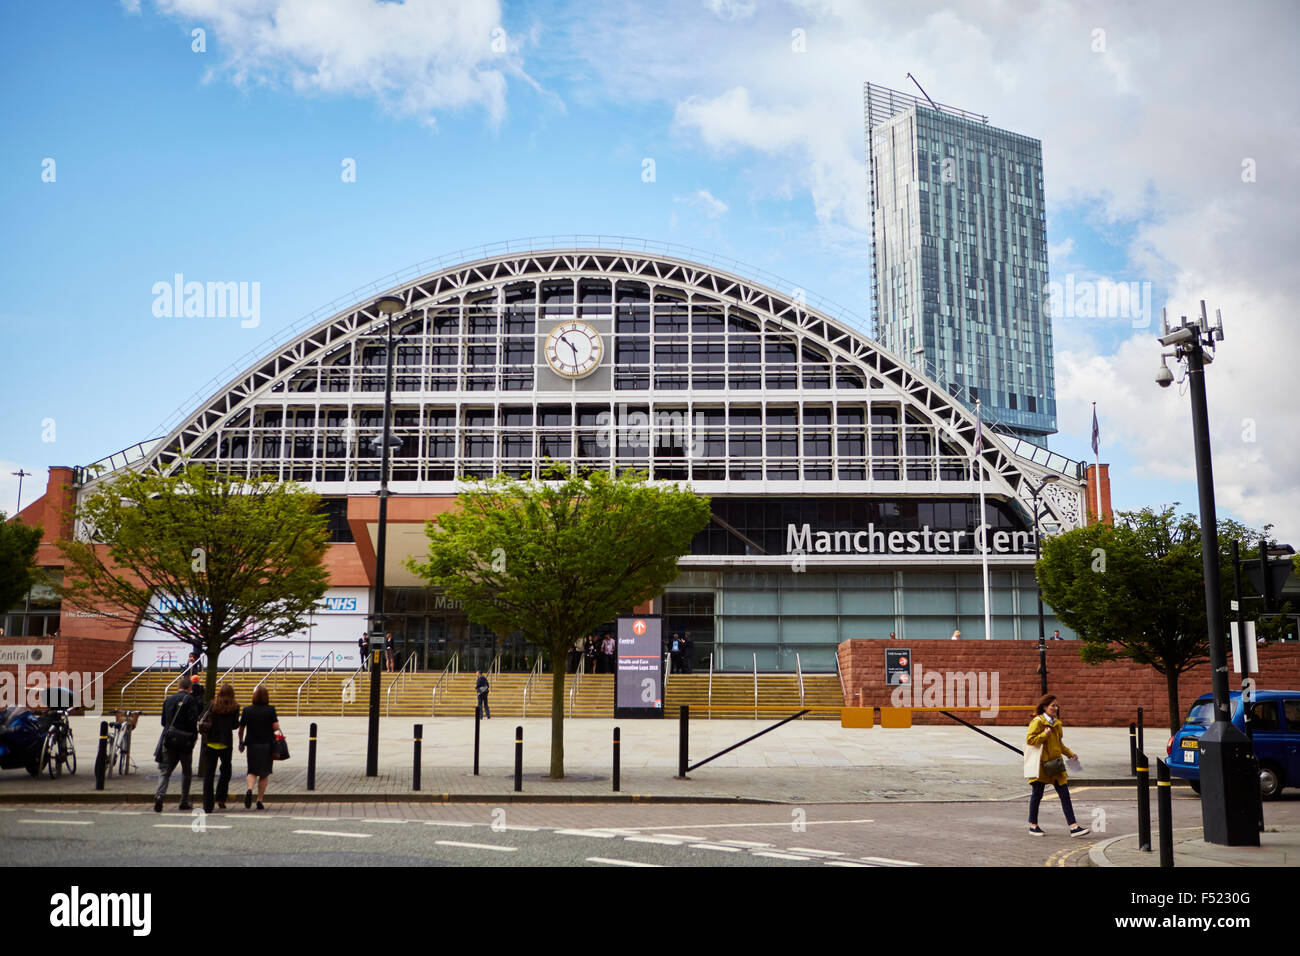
1096, 450
984, 551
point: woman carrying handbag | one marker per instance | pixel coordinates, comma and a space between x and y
1045, 754
258, 727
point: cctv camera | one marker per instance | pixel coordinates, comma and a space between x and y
1164, 377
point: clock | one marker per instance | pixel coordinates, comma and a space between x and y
574, 349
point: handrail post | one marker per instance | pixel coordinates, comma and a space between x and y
710, 685
756, 685
798, 666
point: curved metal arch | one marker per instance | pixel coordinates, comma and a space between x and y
788, 312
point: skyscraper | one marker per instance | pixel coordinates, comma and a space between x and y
959, 256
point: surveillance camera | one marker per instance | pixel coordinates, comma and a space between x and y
1178, 336
1164, 377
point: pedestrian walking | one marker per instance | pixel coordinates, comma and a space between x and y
363, 649
258, 725
180, 719
481, 688
688, 653
218, 746
1045, 754
607, 652
390, 652
589, 654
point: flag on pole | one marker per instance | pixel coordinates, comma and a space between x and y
1096, 432
979, 430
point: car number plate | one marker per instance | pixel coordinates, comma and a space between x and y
1191, 744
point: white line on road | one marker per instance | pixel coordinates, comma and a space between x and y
53, 810
804, 849
478, 846
848, 863
745, 843
651, 839
780, 856
337, 833
600, 834
445, 823
612, 862
190, 826
886, 861
710, 826
715, 846
317, 819
119, 813
68, 823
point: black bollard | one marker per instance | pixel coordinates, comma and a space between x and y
101, 757
1144, 803
311, 759
1132, 748
478, 714
415, 772
1164, 814
616, 746
1141, 746
519, 760
683, 741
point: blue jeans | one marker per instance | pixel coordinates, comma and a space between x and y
1036, 797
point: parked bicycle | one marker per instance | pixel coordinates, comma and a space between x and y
119, 741
58, 751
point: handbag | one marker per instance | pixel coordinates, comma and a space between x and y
1054, 767
173, 738
280, 749
205, 722
1033, 760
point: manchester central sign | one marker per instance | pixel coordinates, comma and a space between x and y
804, 540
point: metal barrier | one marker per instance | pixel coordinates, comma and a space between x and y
405, 671
756, 686
100, 677
683, 741
121, 697
329, 660
533, 674
288, 657
202, 661
573, 689
798, 667
247, 667
710, 685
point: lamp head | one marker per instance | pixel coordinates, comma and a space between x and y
389, 305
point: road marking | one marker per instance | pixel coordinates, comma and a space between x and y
780, 856
445, 823
41, 810
886, 861
847, 863
710, 826
188, 826
66, 823
524, 829
804, 849
335, 833
600, 834
478, 846
677, 836
715, 846
379, 820
745, 843
612, 862
650, 839
317, 819
119, 813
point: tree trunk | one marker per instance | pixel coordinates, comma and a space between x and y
210, 685
557, 715
1175, 712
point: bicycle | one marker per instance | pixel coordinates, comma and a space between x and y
119, 740
58, 750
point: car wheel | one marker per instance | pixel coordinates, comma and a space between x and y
1196, 786
1270, 781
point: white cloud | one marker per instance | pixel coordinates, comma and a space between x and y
732, 9
131, 7
417, 58
704, 201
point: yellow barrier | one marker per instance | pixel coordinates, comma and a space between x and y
896, 717
858, 718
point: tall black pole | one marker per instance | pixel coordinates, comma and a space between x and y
1042, 637
381, 552
1230, 797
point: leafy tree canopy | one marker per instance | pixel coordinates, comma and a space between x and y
555, 559
18, 571
233, 560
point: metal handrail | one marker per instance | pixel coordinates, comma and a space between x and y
288, 656
203, 660
533, 674
495, 667
329, 659
248, 656
668, 668
453, 667
106, 670
127, 686
710, 685
756, 685
406, 670
798, 666
573, 689
844, 692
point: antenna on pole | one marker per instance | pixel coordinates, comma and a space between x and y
923, 92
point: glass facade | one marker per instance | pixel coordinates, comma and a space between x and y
960, 257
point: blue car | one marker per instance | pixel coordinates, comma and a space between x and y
1275, 728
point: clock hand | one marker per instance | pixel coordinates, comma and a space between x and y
572, 349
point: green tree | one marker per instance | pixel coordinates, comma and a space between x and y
18, 571
235, 560
1135, 590
555, 559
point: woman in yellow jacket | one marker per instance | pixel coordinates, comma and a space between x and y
1046, 731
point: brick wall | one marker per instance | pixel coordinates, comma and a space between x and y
74, 654
1092, 695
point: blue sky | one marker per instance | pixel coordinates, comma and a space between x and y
484, 122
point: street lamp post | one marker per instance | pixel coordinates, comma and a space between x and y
1230, 798
387, 306
1042, 637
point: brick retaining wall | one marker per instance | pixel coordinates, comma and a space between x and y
1092, 695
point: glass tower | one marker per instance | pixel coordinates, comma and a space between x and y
959, 257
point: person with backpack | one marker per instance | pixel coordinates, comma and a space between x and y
180, 720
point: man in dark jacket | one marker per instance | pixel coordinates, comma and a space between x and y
180, 720
481, 686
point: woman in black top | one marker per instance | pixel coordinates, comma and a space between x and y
258, 725
218, 745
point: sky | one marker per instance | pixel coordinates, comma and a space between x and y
310, 148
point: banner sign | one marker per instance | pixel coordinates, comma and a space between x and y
639, 679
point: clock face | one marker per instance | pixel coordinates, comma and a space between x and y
574, 349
